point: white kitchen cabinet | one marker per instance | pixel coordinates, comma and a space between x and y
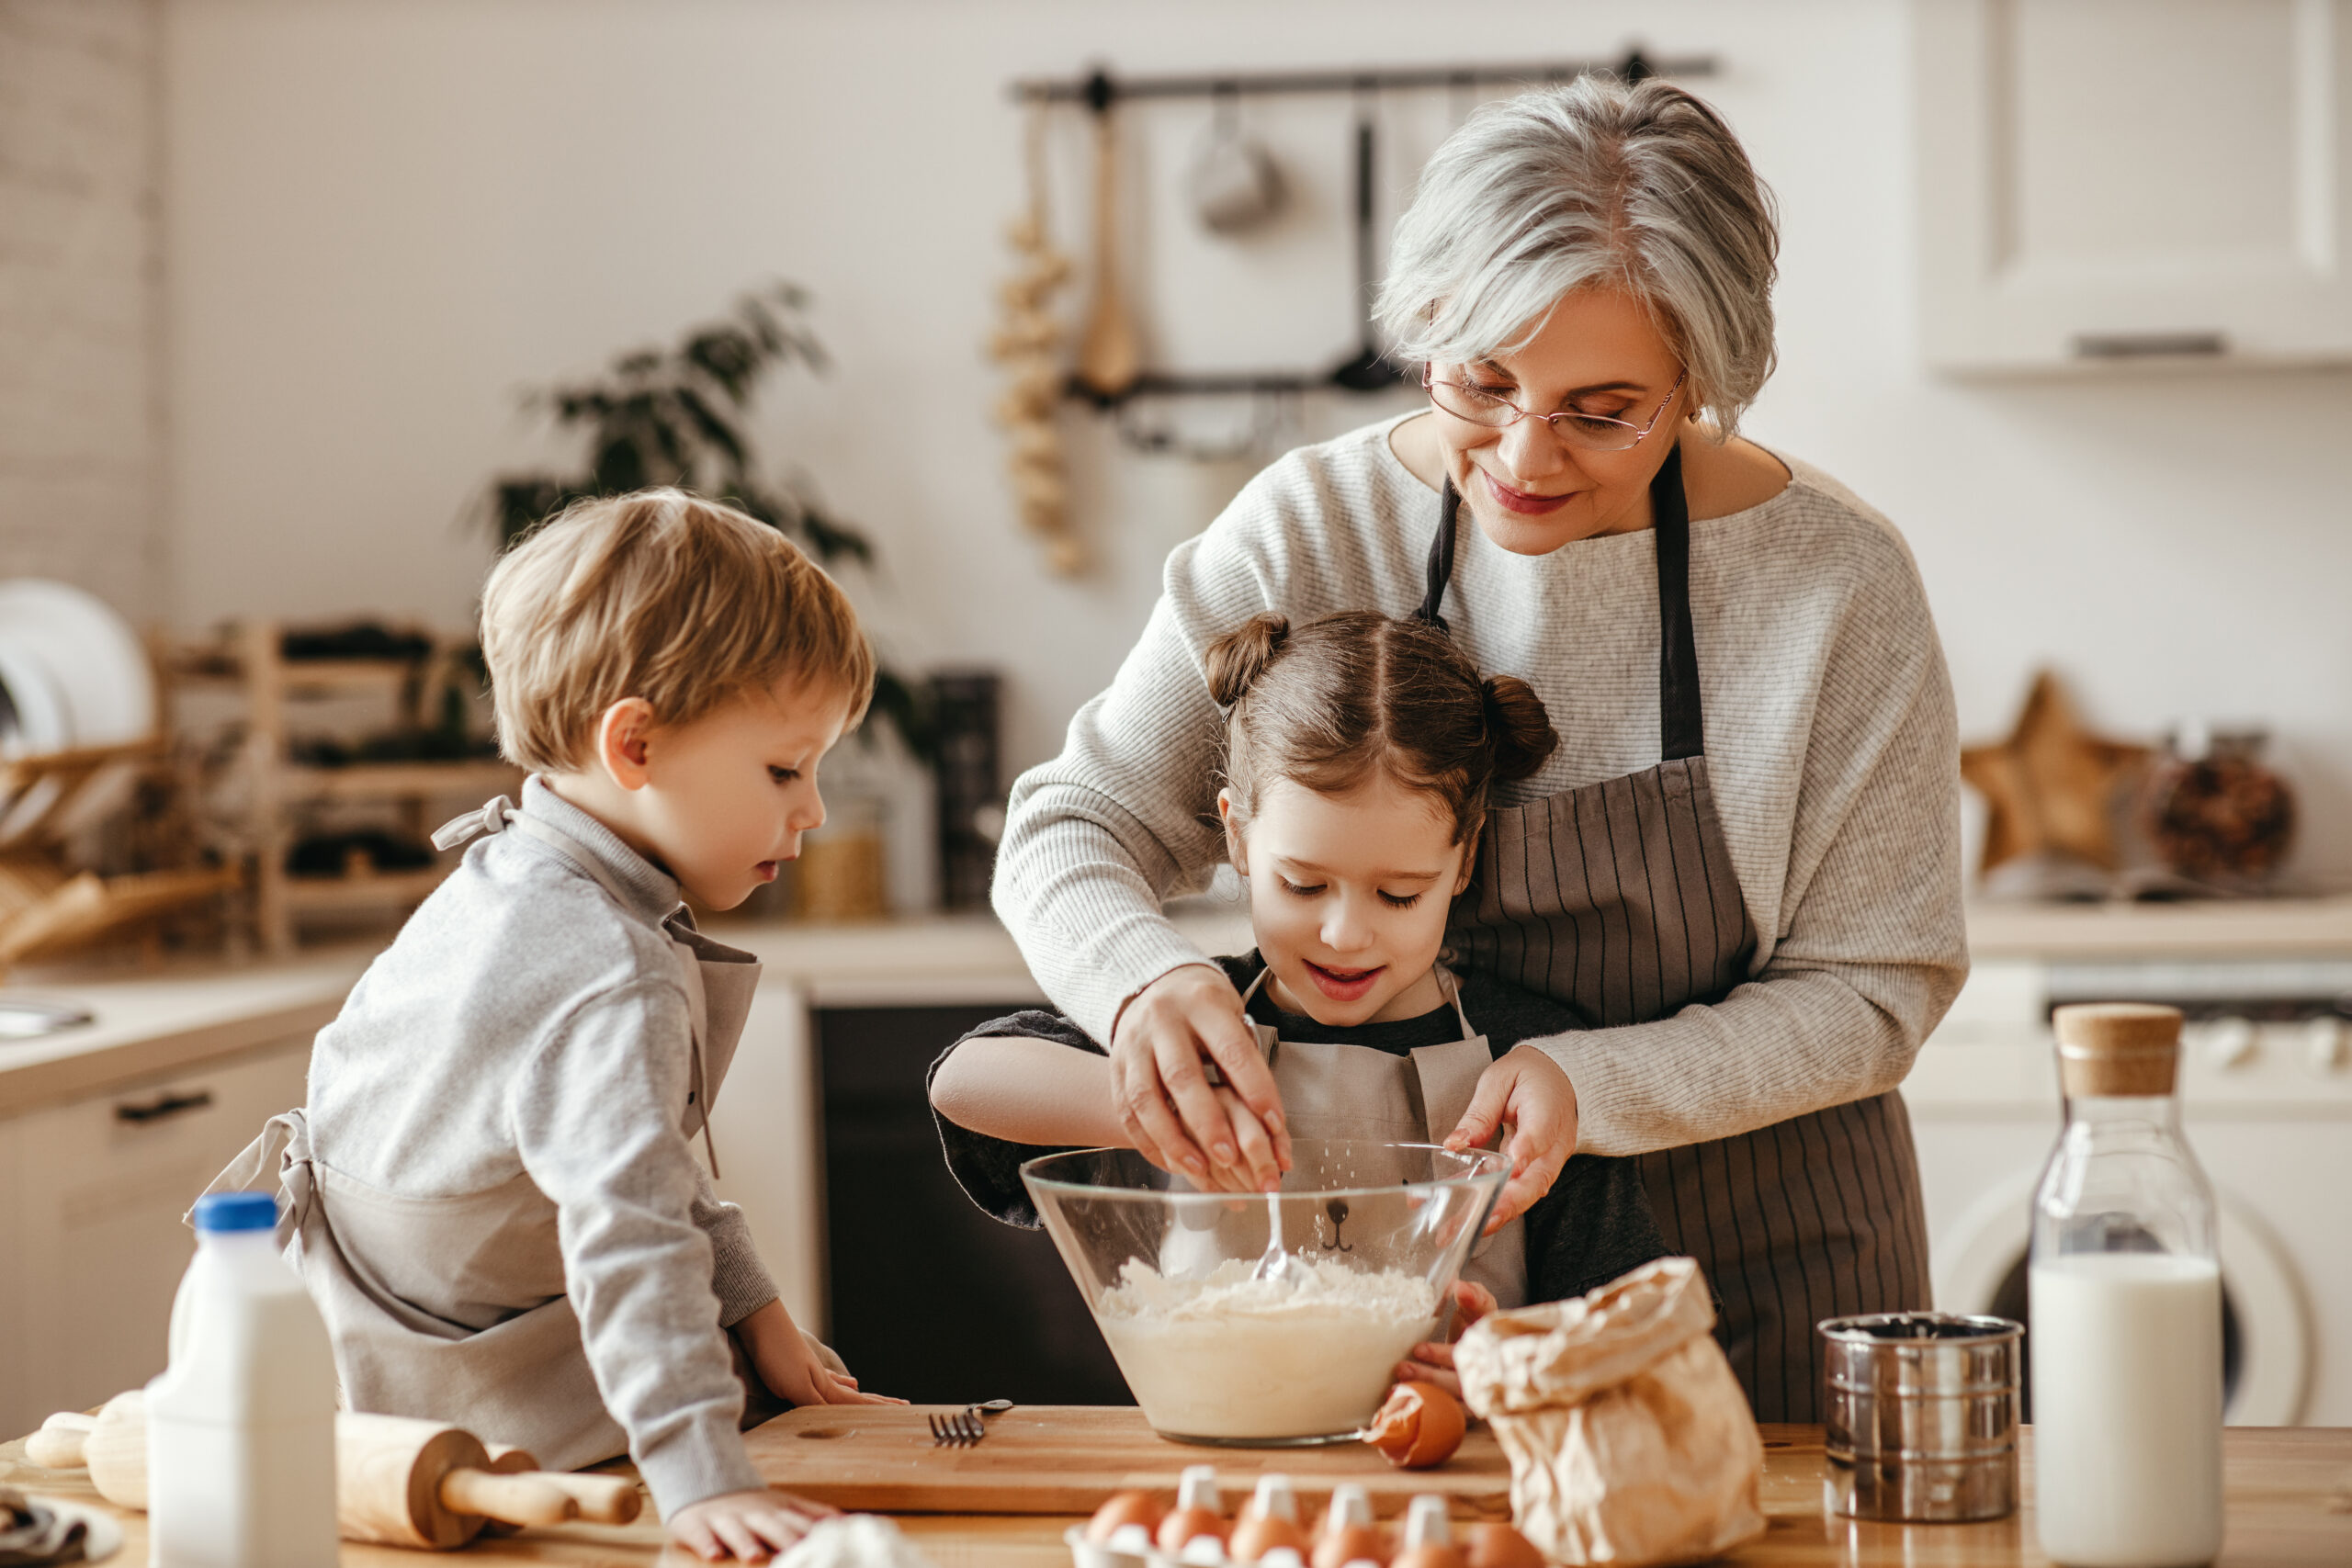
2159, 181
90, 1222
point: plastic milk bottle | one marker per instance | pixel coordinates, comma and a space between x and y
240, 1427
2125, 1284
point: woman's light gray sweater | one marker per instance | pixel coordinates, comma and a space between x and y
525, 1020
1830, 739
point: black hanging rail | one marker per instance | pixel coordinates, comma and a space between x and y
1368, 371
1099, 89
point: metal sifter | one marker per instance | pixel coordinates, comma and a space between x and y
1922, 1412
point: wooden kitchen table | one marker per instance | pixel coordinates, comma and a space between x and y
2290, 1501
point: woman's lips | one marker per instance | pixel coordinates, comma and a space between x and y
1519, 500
1342, 985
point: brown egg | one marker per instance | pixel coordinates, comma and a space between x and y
1420, 1426
1432, 1556
1127, 1508
1351, 1543
1492, 1545
1260, 1533
1189, 1524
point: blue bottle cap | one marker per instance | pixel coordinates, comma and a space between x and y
218, 1212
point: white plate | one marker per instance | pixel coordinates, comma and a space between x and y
92, 655
41, 721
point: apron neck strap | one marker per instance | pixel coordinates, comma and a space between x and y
1441, 566
1681, 723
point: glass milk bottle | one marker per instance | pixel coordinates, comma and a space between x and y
2126, 1291
240, 1468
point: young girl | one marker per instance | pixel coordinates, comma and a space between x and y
1359, 753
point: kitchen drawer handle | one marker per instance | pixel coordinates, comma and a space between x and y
2150, 346
170, 1105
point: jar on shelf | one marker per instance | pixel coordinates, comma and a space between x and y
2214, 811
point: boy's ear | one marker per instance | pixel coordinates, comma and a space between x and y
1234, 850
624, 747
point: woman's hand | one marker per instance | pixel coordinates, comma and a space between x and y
785, 1361
1527, 1092
1160, 1086
752, 1526
1433, 1361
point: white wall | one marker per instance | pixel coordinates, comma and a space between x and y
383, 220
78, 410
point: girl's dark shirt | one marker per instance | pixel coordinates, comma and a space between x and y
1594, 1225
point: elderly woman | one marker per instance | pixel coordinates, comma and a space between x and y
1742, 864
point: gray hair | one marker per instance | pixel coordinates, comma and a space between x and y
1638, 187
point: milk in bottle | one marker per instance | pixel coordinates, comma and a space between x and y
241, 1426
2125, 1283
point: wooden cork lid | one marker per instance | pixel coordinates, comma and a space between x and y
2119, 1048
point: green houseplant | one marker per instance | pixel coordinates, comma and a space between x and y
678, 416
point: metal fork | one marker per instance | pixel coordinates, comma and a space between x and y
966, 1426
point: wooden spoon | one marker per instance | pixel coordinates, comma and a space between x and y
1109, 357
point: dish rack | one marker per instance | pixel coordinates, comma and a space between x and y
275, 789
46, 908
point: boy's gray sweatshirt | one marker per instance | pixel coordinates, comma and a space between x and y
523, 1021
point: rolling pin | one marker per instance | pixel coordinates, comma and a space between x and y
398, 1481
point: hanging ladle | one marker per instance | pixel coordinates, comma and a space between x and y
1368, 370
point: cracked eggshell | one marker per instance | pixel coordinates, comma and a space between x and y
1419, 1427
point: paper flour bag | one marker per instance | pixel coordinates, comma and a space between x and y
1629, 1441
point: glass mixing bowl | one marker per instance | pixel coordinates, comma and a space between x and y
1226, 1340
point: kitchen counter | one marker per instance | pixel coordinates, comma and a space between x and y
2288, 1490
151, 1025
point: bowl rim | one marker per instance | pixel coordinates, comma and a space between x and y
1491, 1169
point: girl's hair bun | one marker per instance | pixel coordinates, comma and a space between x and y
1523, 730
1241, 655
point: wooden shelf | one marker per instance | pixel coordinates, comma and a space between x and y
397, 781
312, 677
370, 892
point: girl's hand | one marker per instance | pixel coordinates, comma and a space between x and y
752, 1526
1432, 1362
1527, 1092
784, 1360
1159, 1085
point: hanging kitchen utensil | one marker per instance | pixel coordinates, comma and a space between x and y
1236, 185
1368, 370
1109, 357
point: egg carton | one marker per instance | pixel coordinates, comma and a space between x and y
1426, 1523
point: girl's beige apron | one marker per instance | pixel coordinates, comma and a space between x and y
1619, 900
439, 1306
1356, 1091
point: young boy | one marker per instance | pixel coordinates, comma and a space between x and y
492, 1192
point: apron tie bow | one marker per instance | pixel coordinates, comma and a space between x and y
491, 818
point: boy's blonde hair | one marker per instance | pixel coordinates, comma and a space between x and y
661, 595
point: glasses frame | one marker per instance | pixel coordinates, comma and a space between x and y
1429, 384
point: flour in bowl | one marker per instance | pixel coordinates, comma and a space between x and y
1227, 1356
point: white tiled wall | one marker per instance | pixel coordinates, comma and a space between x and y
79, 416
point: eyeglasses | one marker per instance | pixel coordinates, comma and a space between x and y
1583, 431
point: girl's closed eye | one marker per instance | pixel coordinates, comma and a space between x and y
1399, 900
1294, 888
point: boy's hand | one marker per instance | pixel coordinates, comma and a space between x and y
1433, 1362
1527, 1092
781, 1355
752, 1526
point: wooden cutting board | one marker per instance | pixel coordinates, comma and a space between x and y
1065, 1459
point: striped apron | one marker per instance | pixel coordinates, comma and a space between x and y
1619, 899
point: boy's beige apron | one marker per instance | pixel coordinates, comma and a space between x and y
1356, 1091
445, 1305
1620, 898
